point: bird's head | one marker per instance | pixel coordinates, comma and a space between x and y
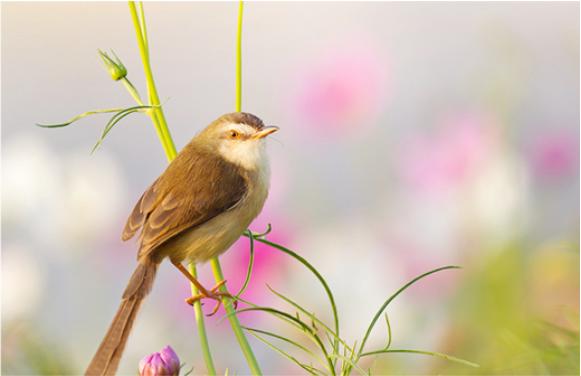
239, 137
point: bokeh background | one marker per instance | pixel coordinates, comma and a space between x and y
413, 135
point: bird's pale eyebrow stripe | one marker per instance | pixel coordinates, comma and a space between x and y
245, 130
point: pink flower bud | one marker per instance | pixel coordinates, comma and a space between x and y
163, 363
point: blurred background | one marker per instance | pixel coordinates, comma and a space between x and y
413, 135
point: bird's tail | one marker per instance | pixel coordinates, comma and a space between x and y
108, 355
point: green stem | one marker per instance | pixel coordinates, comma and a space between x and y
211, 369
236, 327
166, 140
214, 263
239, 58
132, 91
161, 124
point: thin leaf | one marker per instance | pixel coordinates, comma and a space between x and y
287, 340
262, 234
310, 315
282, 338
78, 117
388, 332
250, 266
319, 277
306, 328
422, 352
307, 368
391, 298
114, 120
350, 362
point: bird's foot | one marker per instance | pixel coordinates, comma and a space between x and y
215, 294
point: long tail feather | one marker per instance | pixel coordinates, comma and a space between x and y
106, 359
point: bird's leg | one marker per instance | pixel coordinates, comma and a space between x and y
214, 293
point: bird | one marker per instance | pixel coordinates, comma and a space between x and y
194, 211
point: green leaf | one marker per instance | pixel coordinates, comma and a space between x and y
114, 120
261, 234
290, 341
422, 352
282, 338
391, 298
78, 117
388, 332
250, 266
311, 316
309, 369
302, 325
319, 277
350, 362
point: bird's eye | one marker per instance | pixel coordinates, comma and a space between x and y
233, 134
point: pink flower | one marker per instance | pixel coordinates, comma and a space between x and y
449, 156
163, 363
555, 154
269, 264
340, 90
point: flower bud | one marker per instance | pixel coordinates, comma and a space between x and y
115, 67
163, 363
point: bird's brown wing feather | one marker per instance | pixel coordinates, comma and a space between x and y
175, 203
140, 212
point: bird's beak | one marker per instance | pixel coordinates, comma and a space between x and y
265, 132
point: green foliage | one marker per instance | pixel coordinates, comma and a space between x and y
336, 357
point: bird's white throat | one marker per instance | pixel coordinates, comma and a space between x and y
249, 154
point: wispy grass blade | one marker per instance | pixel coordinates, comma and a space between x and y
391, 298
261, 234
350, 362
388, 332
78, 117
114, 120
250, 267
282, 338
314, 318
422, 352
319, 277
310, 369
305, 327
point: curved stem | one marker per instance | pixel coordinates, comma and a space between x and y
234, 322
211, 369
161, 124
239, 58
166, 140
132, 91
215, 264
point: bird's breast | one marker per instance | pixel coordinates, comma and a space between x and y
215, 236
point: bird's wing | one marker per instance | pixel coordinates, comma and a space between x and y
175, 202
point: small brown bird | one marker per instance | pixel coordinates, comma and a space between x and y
195, 210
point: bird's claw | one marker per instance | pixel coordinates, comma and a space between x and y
214, 294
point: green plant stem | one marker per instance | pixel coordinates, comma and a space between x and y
163, 133
214, 263
234, 322
132, 91
239, 58
210, 368
167, 143
161, 124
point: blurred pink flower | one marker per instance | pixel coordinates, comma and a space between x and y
163, 363
341, 90
416, 259
555, 155
269, 264
448, 157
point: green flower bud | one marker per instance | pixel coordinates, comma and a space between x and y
115, 67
